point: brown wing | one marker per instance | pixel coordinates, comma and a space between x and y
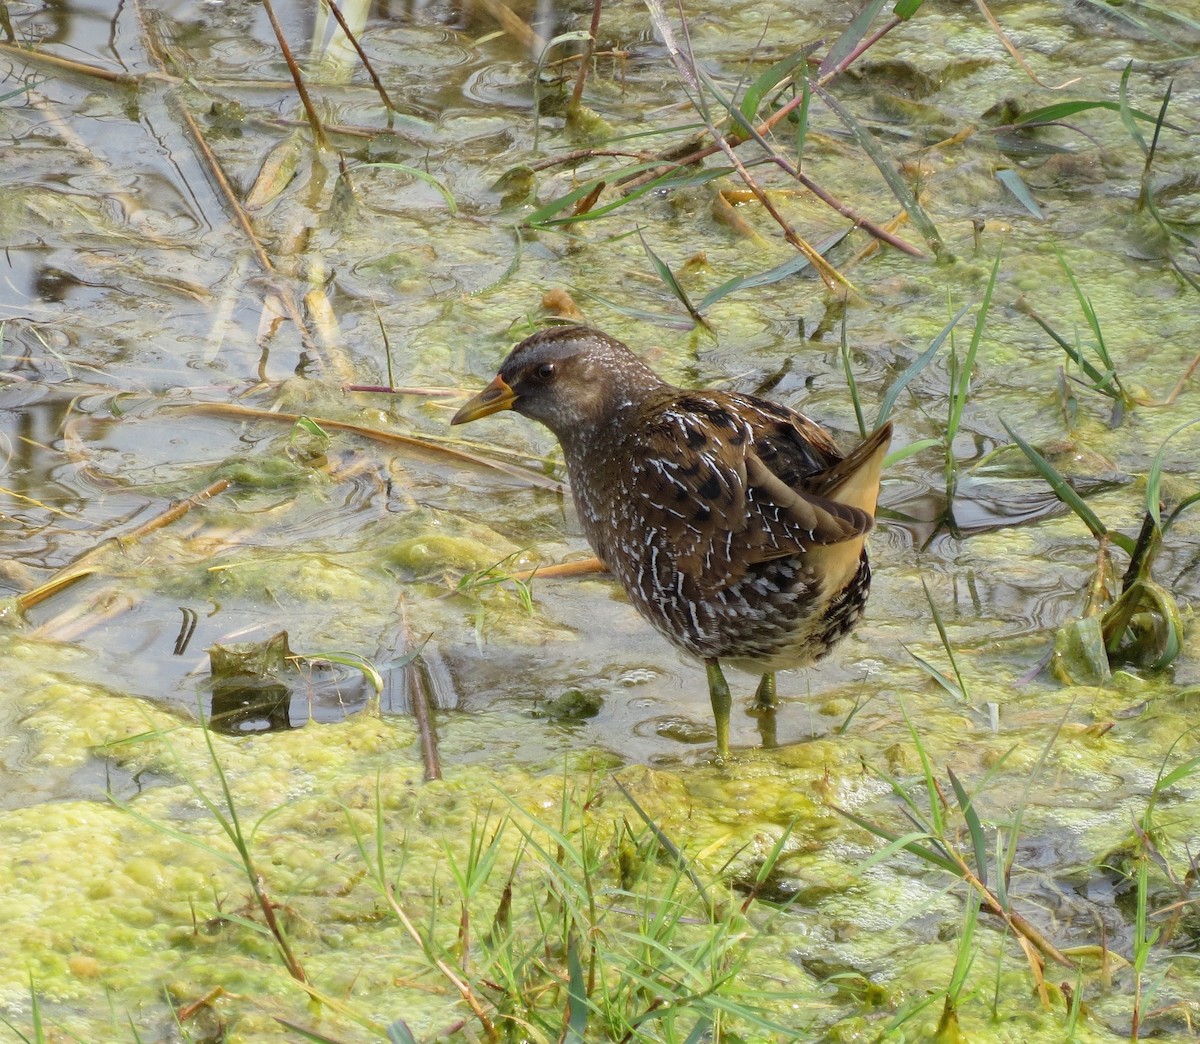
725, 510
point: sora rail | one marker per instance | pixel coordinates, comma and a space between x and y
734, 524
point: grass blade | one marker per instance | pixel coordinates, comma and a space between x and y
420, 175
917, 365
974, 826
577, 1000
1066, 494
1154, 479
777, 75
904, 195
851, 37
1012, 181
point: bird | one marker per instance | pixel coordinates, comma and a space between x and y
734, 524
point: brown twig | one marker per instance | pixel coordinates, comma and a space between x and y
362, 56
686, 67
294, 967
226, 190
588, 51
309, 109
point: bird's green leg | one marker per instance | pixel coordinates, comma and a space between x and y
718, 692
764, 695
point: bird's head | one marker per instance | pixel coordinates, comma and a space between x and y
569, 378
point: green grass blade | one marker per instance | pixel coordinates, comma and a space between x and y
543, 217
961, 387
908, 842
1127, 114
1060, 110
669, 280
911, 450
1100, 380
777, 75
1178, 773
1066, 494
658, 318
851, 383
915, 367
577, 1000
936, 815
935, 674
974, 826
1154, 478
791, 267
1011, 180
1085, 305
362, 664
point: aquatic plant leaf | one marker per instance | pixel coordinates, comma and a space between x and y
1144, 626
1012, 181
1079, 656
905, 9
279, 168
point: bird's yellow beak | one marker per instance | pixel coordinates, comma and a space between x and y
495, 397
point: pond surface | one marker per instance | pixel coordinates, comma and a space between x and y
159, 341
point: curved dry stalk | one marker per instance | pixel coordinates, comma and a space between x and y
1011, 48
80, 568
223, 409
463, 987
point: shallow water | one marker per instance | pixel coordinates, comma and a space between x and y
131, 299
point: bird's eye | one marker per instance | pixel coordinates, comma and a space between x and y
544, 372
